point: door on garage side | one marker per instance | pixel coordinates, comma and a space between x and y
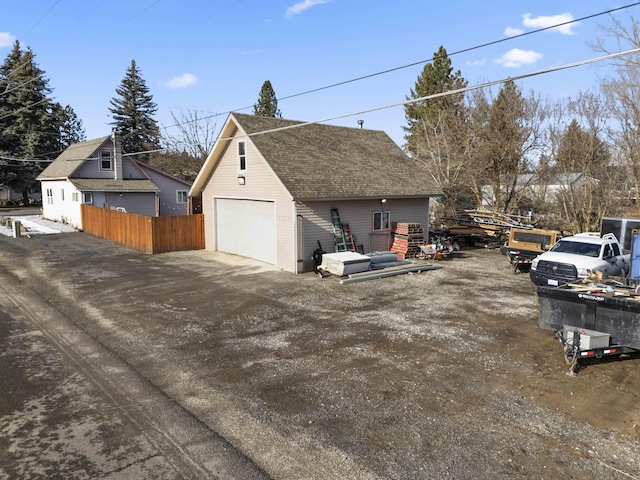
246, 228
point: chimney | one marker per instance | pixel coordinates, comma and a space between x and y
117, 155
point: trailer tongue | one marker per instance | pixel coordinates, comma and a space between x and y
591, 320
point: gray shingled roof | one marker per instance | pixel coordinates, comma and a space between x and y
74, 156
111, 185
324, 161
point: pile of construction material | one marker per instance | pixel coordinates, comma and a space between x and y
407, 239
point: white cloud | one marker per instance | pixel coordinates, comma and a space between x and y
6, 39
512, 32
477, 63
182, 81
302, 6
516, 58
543, 22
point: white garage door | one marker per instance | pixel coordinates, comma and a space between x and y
247, 228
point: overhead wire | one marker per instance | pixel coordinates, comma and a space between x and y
426, 97
413, 64
42, 17
423, 98
486, 44
450, 92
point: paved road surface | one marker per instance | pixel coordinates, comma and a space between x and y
70, 408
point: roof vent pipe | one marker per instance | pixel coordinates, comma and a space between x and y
360, 123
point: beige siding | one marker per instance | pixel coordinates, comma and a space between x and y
260, 184
358, 214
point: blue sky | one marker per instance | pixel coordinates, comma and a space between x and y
213, 56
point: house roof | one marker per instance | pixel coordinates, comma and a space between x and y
147, 167
111, 185
68, 161
317, 161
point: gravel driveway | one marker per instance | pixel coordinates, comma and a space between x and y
442, 374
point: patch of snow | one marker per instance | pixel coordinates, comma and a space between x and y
36, 225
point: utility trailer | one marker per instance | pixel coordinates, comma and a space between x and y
591, 320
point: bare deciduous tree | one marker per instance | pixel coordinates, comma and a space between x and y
187, 149
622, 91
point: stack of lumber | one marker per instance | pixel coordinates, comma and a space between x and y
407, 238
606, 288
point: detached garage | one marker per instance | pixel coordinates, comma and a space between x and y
269, 186
246, 228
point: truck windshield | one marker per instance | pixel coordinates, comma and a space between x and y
577, 248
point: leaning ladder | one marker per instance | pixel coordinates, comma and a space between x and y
339, 241
348, 238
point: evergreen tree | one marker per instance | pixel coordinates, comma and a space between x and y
506, 133
28, 135
133, 110
436, 77
585, 201
436, 134
69, 126
267, 105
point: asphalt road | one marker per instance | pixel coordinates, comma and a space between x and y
117, 364
72, 409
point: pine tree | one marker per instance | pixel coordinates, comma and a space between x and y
28, 133
69, 126
267, 105
133, 110
436, 133
436, 77
505, 156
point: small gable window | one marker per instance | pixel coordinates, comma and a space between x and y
381, 220
181, 196
106, 162
242, 157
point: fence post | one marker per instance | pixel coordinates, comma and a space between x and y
15, 224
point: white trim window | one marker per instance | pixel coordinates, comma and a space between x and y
62, 194
381, 220
242, 156
106, 160
75, 197
181, 196
87, 197
49, 196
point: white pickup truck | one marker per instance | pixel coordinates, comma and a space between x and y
573, 258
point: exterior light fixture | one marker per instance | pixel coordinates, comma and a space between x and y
383, 201
241, 180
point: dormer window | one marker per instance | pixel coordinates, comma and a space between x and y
106, 160
242, 157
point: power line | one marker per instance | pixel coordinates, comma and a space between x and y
421, 99
17, 86
42, 17
25, 160
27, 107
447, 93
464, 50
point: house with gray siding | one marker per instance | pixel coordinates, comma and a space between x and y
173, 193
269, 185
95, 172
